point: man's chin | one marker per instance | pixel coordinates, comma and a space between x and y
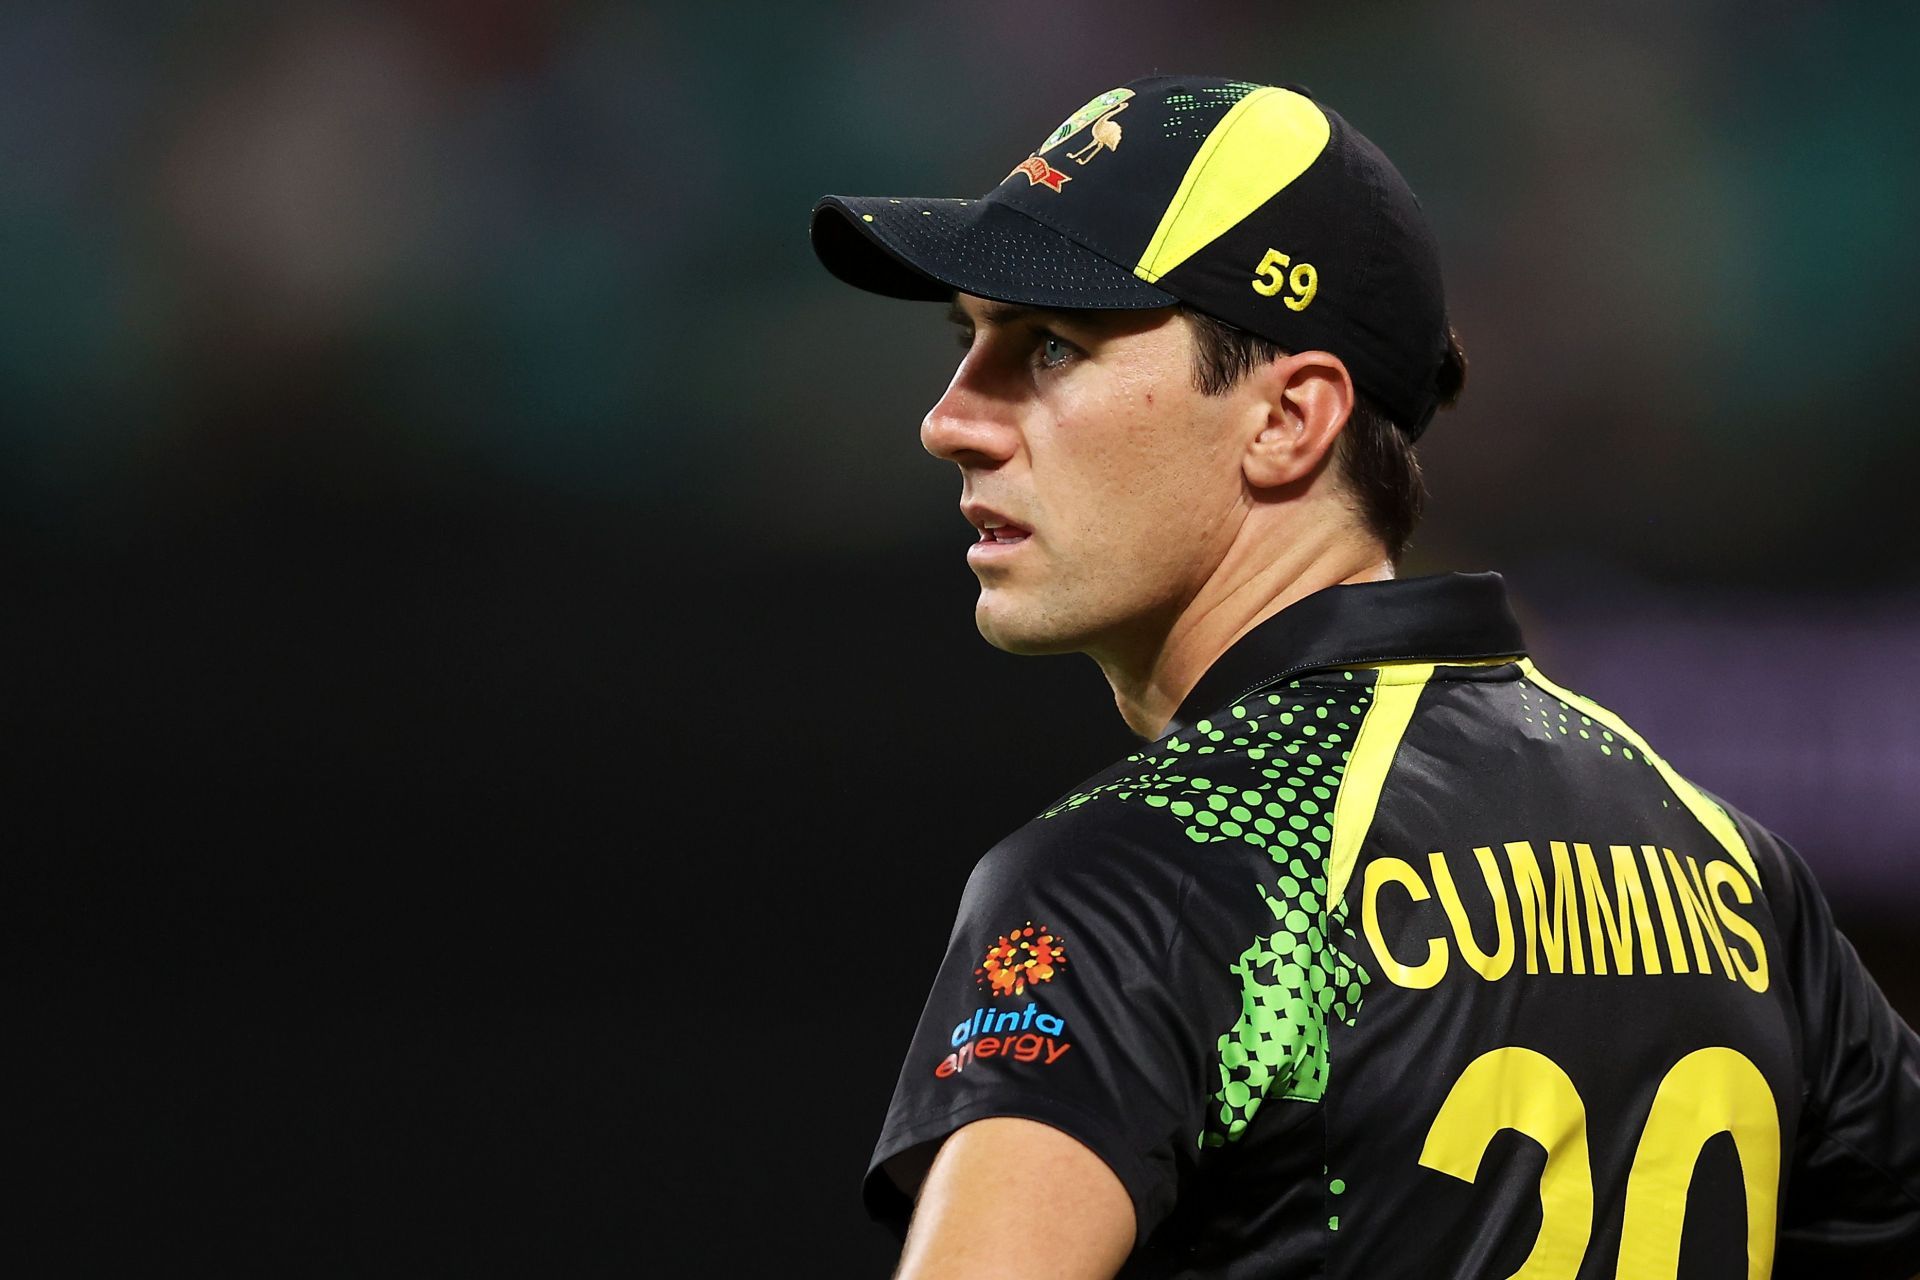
1007, 630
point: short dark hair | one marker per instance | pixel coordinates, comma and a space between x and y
1375, 457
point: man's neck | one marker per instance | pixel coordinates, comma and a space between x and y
1148, 687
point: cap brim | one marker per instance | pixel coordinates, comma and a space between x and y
926, 250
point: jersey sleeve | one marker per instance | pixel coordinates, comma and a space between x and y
1852, 1202
1072, 994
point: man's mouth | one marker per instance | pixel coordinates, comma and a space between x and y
995, 529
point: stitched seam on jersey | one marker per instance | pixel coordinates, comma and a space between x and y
1715, 820
1358, 662
1179, 920
1911, 1195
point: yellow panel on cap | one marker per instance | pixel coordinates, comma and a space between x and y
1263, 143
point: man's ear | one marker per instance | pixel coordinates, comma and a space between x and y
1309, 396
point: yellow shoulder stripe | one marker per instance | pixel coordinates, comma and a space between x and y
1265, 141
1711, 815
1395, 691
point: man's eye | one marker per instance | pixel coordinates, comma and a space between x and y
1052, 352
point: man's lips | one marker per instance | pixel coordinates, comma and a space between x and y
997, 532
994, 526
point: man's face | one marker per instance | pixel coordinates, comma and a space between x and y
1104, 486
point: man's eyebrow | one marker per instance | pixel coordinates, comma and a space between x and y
1005, 313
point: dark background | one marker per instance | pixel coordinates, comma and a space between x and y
494, 728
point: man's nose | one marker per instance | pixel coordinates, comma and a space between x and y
969, 426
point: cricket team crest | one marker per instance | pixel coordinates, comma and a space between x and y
1099, 113
1098, 117
1025, 957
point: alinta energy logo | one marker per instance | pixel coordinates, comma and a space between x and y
1025, 957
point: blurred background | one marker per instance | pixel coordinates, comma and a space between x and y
495, 733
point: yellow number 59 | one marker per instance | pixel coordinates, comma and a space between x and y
1302, 282
1708, 1092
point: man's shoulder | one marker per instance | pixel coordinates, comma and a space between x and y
1784, 878
1248, 781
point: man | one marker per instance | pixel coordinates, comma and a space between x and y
1386, 955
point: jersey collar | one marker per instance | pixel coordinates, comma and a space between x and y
1445, 617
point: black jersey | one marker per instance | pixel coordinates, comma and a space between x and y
1393, 958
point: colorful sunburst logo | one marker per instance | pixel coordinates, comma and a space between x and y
1023, 958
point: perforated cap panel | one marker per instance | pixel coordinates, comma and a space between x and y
924, 250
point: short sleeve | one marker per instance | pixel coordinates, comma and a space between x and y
1070, 994
1853, 1191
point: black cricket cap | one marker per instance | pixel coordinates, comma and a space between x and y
1252, 203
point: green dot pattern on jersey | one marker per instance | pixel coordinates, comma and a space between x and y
1557, 721
1296, 977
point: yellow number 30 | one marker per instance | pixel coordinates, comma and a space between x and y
1708, 1092
1302, 282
